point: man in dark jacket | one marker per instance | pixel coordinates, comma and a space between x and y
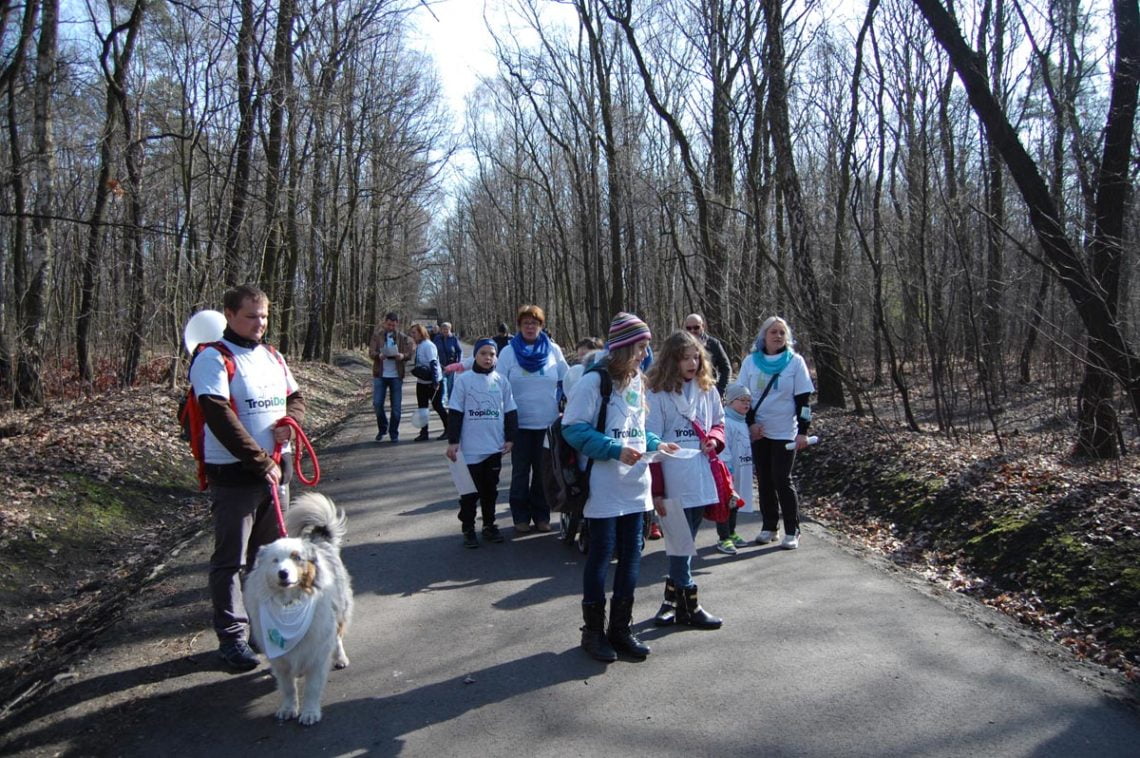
695, 325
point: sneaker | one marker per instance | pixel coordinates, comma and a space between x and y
380, 437
737, 540
470, 540
522, 528
491, 533
790, 541
542, 526
766, 536
237, 655
655, 531
725, 546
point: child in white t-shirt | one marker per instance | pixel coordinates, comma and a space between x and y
482, 422
682, 396
737, 455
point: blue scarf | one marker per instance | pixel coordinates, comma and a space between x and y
532, 358
732, 413
772, 365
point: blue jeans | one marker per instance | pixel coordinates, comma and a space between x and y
528, 502
621, 535
381, 386
448, 381
680, 565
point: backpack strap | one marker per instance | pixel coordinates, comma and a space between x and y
750, 418
606, 387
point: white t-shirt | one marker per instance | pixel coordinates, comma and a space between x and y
777, 414
484, 400
688, 481
615, 488
737, 454
426, 352
389, 369
259, 388
536, 393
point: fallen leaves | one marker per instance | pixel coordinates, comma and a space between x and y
61, 467
1031, 507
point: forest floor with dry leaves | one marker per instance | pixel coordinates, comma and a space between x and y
99, 491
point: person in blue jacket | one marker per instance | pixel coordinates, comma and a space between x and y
450, 351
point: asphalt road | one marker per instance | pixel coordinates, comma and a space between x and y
824, 652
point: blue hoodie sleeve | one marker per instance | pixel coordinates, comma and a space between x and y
585, 438
594, 444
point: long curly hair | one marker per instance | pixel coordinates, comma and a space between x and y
665, 373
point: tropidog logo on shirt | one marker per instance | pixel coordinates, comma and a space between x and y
263, 403
623, 434
632, 398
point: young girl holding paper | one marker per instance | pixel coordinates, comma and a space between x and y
482, 424
682, 391
619, 485
781, 388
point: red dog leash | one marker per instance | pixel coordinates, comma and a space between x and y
303, 446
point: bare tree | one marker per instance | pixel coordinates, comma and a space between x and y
1093, 285
33, 266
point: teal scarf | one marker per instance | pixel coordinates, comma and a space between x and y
730, 412
772, 365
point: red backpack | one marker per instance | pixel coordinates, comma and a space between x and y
190, 416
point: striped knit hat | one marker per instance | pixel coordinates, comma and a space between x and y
626, 329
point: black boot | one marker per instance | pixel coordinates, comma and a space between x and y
667, 613
423, 435
620, 635
382, 425
689, 611
594, 639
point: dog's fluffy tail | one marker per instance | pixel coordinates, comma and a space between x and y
314, 515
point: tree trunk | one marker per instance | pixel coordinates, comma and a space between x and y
34, 273
232, 272
827, 365
115, 64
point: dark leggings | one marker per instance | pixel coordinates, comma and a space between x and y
485, 474
725, 529
773, 465
429, 393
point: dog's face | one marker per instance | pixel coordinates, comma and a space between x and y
287, 564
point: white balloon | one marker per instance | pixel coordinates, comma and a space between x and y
203, 326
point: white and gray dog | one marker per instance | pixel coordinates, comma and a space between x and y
299, 600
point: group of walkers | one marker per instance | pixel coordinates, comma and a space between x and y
513, 388
683, 401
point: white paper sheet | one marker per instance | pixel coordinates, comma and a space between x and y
678, 536
460, 474
658, 455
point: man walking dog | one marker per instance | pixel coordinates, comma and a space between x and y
243, 387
